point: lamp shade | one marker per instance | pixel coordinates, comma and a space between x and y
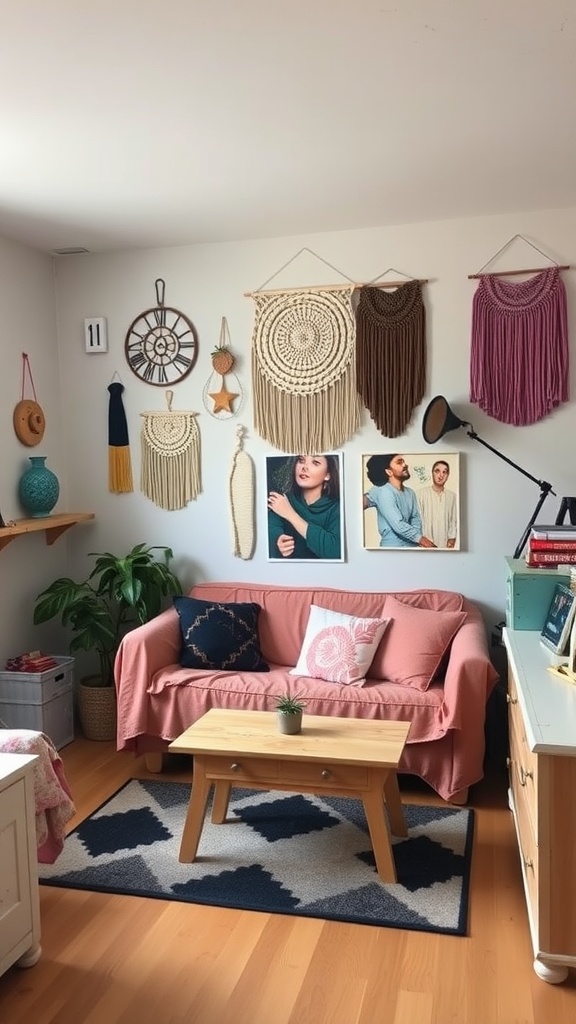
439, 419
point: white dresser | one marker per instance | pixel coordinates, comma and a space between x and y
542, 769
19, 900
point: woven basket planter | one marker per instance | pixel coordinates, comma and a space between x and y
97, 710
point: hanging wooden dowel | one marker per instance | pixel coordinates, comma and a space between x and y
352, 286
511, 273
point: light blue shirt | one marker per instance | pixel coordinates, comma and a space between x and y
397, 515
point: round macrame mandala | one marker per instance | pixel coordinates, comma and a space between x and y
303, 341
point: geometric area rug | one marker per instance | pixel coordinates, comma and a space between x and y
284, 853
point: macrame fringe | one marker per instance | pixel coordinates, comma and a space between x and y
519, 353
119, 471
306, 424
391, 355
170, 481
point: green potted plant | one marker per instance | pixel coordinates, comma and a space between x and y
120, 592
289, 714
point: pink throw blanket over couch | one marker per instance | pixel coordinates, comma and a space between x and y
427, 629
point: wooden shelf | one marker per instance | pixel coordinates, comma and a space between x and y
53, 526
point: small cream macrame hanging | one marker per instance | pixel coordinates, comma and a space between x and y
303, 369
170, 471
241, 496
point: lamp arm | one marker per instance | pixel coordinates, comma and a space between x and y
544, 486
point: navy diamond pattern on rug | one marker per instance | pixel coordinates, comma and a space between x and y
114, 832
421, 863
254, 887
284, 818
129, 874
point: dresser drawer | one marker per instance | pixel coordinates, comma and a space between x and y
523, 769
528, 853
339, 776
247, 769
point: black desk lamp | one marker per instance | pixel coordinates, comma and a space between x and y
439, 419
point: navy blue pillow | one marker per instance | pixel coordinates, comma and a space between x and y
223, 636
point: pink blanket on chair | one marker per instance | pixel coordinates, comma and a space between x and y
54, 805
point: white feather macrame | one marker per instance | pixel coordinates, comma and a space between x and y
242, 496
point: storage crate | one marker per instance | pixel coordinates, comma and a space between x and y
55, 718
43, 701
529, 593
37, 687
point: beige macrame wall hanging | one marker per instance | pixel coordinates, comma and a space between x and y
303, 370
242, 498
170, 471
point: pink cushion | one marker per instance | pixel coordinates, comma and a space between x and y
414, 644
338, 648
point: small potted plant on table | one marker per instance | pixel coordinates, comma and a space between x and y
289, 713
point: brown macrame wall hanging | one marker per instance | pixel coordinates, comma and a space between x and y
170, 472
391, 354
303, 373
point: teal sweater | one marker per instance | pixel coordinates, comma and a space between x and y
323, 539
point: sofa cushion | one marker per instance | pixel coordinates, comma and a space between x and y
415, 643
338, 648
219, 636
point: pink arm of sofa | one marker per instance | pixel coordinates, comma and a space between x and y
470, 675
142, 652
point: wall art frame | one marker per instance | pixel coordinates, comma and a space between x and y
428, 504
305, 508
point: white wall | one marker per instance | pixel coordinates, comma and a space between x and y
209, 281
28, 324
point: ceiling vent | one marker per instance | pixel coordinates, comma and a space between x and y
70, 251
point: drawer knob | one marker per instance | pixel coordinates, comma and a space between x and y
528, 863
508, 762
525, 774
235, 767
510, 699
326, 774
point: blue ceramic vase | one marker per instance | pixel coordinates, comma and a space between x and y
38, 489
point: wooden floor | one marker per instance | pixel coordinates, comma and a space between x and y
122, 959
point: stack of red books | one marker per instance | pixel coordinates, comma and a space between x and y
551, 546
34, 661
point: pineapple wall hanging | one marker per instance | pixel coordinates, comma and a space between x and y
223, 395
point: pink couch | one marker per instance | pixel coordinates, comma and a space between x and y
158, 700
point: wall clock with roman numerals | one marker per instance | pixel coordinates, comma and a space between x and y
161, 344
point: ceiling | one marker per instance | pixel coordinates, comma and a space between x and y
133, 123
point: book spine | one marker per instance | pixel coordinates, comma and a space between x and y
545, 559
552, 534
552, 545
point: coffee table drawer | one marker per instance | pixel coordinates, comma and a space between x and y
318, 774
250, 769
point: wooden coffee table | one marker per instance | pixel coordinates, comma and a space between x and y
337, 756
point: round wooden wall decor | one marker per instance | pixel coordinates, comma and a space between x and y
29, 422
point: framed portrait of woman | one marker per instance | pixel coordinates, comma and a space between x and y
411, 501
305, 508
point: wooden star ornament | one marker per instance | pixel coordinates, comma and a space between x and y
222, 399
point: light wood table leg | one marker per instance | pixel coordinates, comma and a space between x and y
379, 830
195, 814
394, 805
221, 800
